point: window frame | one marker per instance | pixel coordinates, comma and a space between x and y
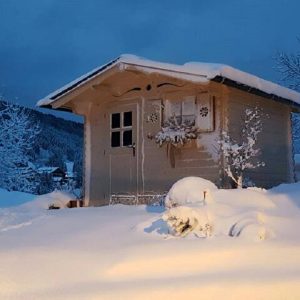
198, 100
181, 116
121, 129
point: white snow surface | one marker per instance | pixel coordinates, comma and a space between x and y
126, 252
193, 71
8, 198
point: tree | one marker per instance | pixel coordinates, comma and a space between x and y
289, 67
239, 157
17, 136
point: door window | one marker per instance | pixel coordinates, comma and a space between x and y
121, 129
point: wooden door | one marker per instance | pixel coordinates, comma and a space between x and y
122, 149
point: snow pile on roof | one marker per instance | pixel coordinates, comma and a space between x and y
47, 169
193, 71
125, 252
70, 169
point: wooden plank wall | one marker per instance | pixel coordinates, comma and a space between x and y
274, 140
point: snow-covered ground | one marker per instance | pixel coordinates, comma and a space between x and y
126, 252
8, 199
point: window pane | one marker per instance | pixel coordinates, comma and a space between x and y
188, 106
127, 138
115, 120
175, 108
127, 121
115, 139
188, 120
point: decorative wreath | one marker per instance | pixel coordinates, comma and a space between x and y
203, 111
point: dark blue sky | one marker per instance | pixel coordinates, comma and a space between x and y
47, 43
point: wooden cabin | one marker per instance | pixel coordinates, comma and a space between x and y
126, 102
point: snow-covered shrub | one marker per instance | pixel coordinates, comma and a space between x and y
240, 156
176, 134
190, 190
17, 136
251, 228
184, 220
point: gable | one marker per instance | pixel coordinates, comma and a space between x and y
193, 72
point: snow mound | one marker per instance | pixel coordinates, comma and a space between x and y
190, 190
239, 213
27, 213
58, 199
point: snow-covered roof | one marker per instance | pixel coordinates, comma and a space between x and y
69, 166
193, 71
48, 169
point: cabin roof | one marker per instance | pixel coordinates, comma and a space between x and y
192, 71
49, 170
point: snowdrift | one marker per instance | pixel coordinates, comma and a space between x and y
129, 253
245, 213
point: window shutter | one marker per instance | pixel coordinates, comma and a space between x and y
205, 113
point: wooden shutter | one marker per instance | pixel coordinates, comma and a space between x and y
152, 120
205, 113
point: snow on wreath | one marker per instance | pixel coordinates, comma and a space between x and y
176, 134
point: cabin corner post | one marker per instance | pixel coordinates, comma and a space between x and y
290, 152
223, 128
87, 157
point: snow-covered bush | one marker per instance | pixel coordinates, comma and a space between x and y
240, 156
223, 212
183, 220
17, 135
176, 134
190, 190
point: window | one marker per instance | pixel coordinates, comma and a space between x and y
121, 129
191, 110
181, 110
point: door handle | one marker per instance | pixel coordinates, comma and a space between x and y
133, 146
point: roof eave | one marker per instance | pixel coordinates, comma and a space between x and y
49, 106
255, 91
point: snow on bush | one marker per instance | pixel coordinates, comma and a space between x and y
190, 190
235, 213
183, 220
241, 156
251, 227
